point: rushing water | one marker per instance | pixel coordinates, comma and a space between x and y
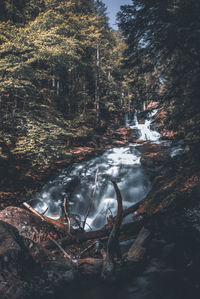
145, 131
121, 165
76, 182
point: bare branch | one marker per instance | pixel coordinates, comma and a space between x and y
61, 248
92, 199
33, 211
113, 241
89, 247
67, 215
43, 213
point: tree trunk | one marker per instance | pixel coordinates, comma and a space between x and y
97, 99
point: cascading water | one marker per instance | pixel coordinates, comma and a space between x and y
76, 183
135, 119
146, 133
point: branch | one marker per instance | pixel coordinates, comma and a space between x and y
127, 230
132, 208
92, 199
48, 220
61, 249
89, 247
67, 215
114, 235
33, 211
43, 213
113, 240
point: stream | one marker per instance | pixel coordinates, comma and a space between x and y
77, 182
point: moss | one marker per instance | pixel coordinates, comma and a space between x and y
43, 136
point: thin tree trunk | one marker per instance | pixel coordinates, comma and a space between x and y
97, 86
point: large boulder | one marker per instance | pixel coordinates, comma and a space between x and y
28, 225
14, 263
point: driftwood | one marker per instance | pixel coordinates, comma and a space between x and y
130, 263
108, 266
113, 240
126, 231
112, 264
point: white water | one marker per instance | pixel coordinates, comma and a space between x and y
146, 133
76, 183
177, 150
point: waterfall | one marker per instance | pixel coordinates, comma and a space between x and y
135, 119
146, 133
126, 120
76, 183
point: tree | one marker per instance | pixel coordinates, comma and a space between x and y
64, 54
163, 40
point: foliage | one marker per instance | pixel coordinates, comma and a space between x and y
163, 42
49, 54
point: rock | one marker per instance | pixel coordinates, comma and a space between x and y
25, 271
27, 224
14, 263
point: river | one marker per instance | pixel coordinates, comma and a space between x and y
77, 182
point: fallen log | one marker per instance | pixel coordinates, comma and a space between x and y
131, 209
137, 251
126, 230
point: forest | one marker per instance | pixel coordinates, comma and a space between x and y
99, 150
